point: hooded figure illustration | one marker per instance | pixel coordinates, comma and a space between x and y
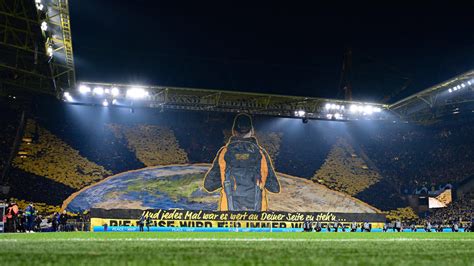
242, 170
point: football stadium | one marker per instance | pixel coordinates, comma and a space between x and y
120, 152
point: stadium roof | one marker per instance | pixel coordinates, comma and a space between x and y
36, 54
132, 96
447, 98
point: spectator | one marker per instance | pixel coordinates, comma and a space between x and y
353, 227
54, 221
428, 227
141, 223
11, 217
63, 221
148, 223
30, 214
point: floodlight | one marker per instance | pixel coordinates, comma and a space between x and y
469, 82
459, 87
463, 85
337, 116
44, 26
84, 89
136, 93
39, 5
353, 108
114, 101
300, 113
368, 109
115, 91
107, 91
105, 103
377, 109
450, 90
98, 90
67, 96
50, 51
328, 106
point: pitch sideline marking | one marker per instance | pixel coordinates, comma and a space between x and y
233, 239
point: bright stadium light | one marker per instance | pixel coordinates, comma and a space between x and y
463, 85
105, 103
44, 26
300, 113
39, 5
328, 106
368, 110
114, 101
353, 108
98, 90
107, 91
337, 116
115, 91
136, 93
68, 97
450, 90
84, 89
469, 82
377, 109
50, 51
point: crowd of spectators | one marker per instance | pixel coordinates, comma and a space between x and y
44, 154
8, 127
153, 145
412, 157
460, 210
344, 170
370, 164
30, 219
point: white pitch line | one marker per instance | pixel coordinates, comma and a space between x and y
233, 240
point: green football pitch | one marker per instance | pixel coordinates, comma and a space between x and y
237, 248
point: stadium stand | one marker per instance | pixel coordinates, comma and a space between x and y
153, 145
346, 171
43, 154
8, 128
376, 163
461, 210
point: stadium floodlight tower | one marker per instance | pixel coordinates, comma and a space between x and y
36, 46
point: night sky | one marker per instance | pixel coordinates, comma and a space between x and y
273, 48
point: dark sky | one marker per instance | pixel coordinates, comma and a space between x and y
275, 48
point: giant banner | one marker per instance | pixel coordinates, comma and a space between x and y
200, 220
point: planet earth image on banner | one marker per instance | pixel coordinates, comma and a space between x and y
150, 188
181, 187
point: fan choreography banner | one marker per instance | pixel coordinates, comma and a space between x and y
199, 220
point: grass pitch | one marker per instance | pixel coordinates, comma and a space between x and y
237, 248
